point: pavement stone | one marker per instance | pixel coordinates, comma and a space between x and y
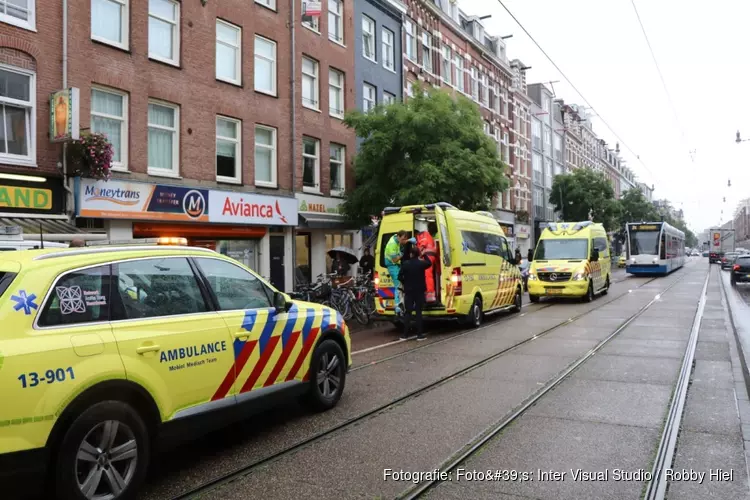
653, 348
712, 410
575, 332
638, 331
462, 491
557, 347
512, 367
608, 402
712, 351
473, 346
716, 374
702, 452
633, 369
713, 335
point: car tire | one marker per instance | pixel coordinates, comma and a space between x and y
733, 281
589, 297
518, 301
533, 298
327, 369
102, 429
475, 316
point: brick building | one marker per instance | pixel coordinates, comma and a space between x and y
222, 117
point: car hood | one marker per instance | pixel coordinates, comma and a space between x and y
558, 266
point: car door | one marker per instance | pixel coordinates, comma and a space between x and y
263, 340
171, 340
508, 274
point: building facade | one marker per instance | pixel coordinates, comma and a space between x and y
218, 114
547, 152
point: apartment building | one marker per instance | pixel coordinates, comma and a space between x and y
224, 116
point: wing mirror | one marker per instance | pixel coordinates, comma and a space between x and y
594, 255
281, 302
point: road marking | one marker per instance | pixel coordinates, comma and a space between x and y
380, 346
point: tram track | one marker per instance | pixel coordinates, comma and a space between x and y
488, 434
212, 484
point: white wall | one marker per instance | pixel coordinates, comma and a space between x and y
317, 253
264, 250
289, 265
119, 229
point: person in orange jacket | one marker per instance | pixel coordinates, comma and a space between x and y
426, 244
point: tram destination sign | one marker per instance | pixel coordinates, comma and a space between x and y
645, 227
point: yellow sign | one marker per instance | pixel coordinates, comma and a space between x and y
63, 115
651, 227
23, 197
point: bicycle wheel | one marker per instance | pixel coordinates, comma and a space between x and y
360, 314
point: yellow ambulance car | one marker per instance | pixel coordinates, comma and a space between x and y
474, 272
571, 259
103, 349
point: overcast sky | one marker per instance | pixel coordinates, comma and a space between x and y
701, 48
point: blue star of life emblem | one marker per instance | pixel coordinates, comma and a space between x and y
25, 302
465, 246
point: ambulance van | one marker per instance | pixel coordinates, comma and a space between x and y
474, 271
571, 259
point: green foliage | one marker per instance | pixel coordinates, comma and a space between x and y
634, 207
576, 194
431, 148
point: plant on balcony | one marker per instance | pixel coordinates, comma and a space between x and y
522, 216
91, 156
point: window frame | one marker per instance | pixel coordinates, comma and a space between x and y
237, 179
216, 306
28, 160
371, 36
316, 81
271, 4
314, 24
274, 68
388, 98
388, 49
458, 72
341, 86
175, 34
29, 24
273, 183
446, 69
366, 88
427, 51
124, 26
316, 172
238, 47
157, 171
122, 165
411, 40
342, 168
339, 18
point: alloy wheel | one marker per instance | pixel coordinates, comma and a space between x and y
106, 461
329, 375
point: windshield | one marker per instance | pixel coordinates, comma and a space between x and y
743, 260
562, 250
644, 243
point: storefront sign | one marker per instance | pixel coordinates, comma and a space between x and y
64, 108
134, 200
309, 203
31, 197
522, 231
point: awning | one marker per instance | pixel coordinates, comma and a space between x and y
325, 221
51, 229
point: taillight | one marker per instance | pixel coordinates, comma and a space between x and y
735, 267
458, 286
376, 279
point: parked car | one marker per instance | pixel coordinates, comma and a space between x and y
621, 261
727, 260
740, 272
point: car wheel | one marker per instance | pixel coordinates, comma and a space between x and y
104, 454
589, 297
327, 376
475, 316
534, 298
518, 301
733, 281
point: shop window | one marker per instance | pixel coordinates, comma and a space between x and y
234, 288
304, 272
228, 133
243, 251
336, 240
78, 297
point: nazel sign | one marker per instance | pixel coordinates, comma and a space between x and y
248, 208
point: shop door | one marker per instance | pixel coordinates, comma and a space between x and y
277, 261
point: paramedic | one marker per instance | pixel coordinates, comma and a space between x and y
393, 257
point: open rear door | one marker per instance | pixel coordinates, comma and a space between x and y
443, 277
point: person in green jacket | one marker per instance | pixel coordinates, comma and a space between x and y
393, 256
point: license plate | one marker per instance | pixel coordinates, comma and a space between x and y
554, 291
388, 303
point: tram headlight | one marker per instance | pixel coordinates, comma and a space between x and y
655, 260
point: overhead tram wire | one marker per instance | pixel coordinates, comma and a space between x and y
663, 81
586, 101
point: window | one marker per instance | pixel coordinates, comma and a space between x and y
228, 52
410, 88
265, 65
388, 98
271, 4
336, 20
369, 99
536, 163
310, 164
265, 156
411, 41
18, 126
109, 21
547, 140
163, 140
78, 297
388, 49
235, 288
335, 93
164, 31
312, 22
485, 91
536, 134
548, 172
558, 147
310, 87
109, 116
18, 12
506, 147
368, 38
228, 151
545, 104
474, 82
446, 69
152, 288
427, 51
338, 159
459, 73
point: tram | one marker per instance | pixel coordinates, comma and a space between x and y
654, 248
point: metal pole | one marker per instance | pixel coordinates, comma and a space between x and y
293, 80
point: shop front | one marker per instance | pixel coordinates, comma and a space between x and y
36, 205
321, 228
523, 238
252, 228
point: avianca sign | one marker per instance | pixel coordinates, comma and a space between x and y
250, 208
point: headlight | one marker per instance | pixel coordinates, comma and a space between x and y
579, 276
632, 261
655, 260
532, 276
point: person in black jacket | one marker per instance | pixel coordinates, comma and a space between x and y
367, 263
413, 280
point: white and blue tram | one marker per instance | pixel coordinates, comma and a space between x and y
654, 248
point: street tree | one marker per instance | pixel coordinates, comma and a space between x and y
431, 148
634, 207
585, 193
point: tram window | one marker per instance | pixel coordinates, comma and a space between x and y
644, 243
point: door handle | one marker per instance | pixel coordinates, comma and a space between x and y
148, 348
241, 335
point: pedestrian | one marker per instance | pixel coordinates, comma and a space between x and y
339, 265
77, 242
393, 256
519, 259
413, 277
367, 262
531, 254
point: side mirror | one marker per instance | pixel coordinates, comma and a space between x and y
594, 255
281, 302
